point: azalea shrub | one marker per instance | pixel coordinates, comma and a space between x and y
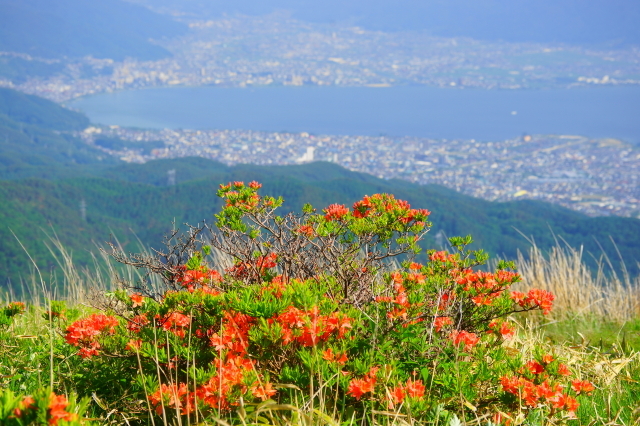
337, 308
42, 408
8, 312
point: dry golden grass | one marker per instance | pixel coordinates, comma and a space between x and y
578, 290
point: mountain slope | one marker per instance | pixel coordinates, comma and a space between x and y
34, 142
75, 28
563, 21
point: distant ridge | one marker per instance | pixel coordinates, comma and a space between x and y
560, 21
75, 28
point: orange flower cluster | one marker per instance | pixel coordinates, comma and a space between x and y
582, 386
233, 335
240, 197
461, 336
27, 404
137, 322
308, 328
171, 396
378, 204
277, 286
533, 394
14, 308
358, 387
232, 367
412, 389
401, 300
534, 387
306, 230
198, 279
56, 409
443, 256
485, 286
535, 297
440, 322
175, 322
84, 333
503, 328
261, 265
136, 300
339, 358
335, 212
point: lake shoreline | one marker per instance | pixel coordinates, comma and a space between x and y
396, 111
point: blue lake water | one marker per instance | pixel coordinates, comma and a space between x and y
394, 111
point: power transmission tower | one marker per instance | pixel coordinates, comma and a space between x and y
171, 177
83, 210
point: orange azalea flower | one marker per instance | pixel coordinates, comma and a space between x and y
339, 358
440, 322
306, 230
546, 391
358, 387
335, 212
174, 322
534, 367
507, 331
133, 345
541, 298
397, 395
518, 297
580, 386
83, 333
563, 370
137, 300
171, 396
27, 403
263, 392
255, 185
57, 410
469, 339
572, 405
415, 388
439, 256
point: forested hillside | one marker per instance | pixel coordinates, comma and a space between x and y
31, 141
46, 174
134, 201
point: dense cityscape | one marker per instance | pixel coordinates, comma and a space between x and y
277, 50
595, 176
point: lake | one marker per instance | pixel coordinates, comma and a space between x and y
394, 111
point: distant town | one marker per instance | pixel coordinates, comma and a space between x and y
277, 50
594, 176
598, 177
